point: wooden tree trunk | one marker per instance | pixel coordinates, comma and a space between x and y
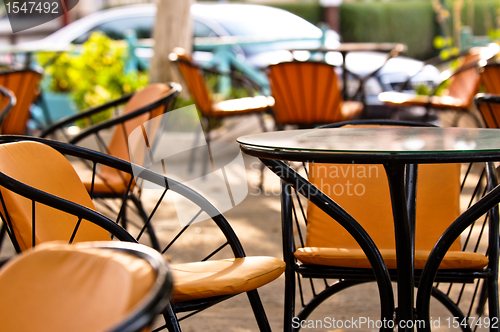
173, 28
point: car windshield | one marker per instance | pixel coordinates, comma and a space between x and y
268, 23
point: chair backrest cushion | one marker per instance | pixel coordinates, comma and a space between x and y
490, 77
491, 113
465, 84
305, 93
66, 288
195, 80
118, 146
44, 168
24, 85
363, 191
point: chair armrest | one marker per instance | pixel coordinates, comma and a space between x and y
70, 119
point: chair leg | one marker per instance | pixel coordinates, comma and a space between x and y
258, 311
3, 231
208, 155
493, 300
171, 322
192, 158
483, 297
152, 235
261, 121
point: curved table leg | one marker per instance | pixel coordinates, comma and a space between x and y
325, 203
485, 204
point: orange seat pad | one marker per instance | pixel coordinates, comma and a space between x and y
355, 258
223, 277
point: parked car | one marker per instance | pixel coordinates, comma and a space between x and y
283, 31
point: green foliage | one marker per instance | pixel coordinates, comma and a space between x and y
409, 22
94, 76
485, 16
310, 11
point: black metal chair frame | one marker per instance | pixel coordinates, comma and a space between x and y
95, 129
39, 197
348, 277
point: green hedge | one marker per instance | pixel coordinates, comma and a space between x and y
409, 22
310, 11
485, 12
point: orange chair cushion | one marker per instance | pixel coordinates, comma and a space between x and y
308, 93
66, 288
350, 110
408, 99
363, 191
355, 258
195, 80
223, 277
491, 114
24, 85
242, 106
490, 77
110, 180
44, 168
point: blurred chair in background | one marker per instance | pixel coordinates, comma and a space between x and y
307, 94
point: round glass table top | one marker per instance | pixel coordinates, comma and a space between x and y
385, 140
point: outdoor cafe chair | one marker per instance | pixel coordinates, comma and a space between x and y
307, 94
85, 287
489, 107
457, 91
207, 106
150, 102
490, 76
323, 255
7, 101
24, 86
49, 202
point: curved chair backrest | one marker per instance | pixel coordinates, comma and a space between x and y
363, 191
465, 83
305, 93
24, 85
489, 106
7, 101
84, 287
118, 146
16, 160
490, 77
194, 79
